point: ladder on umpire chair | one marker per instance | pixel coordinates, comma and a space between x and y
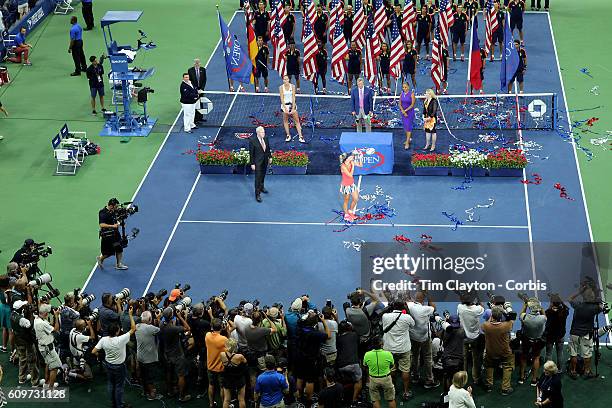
63, 7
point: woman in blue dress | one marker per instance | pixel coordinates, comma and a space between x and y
406, 105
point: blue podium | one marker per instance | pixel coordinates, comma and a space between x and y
376, 147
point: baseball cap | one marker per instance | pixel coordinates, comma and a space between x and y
167, 313
18, 304
297, 304
453, 320
534, 304
174, 294
198, 308
28, 242
248, 308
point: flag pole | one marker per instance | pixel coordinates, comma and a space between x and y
467, 85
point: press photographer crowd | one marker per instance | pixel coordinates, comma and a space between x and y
363, 353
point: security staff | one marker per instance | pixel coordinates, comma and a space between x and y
76, 47
110, 238
88, 14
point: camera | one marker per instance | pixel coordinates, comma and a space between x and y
523, 296
94, 315
183, 289
143, 93
87, 299
124, 210
125, 293
46, 298
41, 250
41, 280
182, 304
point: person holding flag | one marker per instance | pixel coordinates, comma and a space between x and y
409, 66
422, 32
459, 29
289, 24
477, 60
522, 66
384, 65
262, 22
516, 9
498, 33
510, 60
321, 25
471, 7
321, 61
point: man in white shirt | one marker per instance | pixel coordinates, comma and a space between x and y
396, 339
44, 337
114, 358
420, 337
470, 313
243, 322
77, 340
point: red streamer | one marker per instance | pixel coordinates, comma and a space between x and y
563, 192
591, 121
537, 179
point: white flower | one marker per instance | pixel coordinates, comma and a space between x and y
469, 158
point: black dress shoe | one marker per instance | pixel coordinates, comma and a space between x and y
263, 190
258, 198
75, 74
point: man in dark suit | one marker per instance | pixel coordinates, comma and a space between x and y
260, 155
361, 103
197, 76
189, 97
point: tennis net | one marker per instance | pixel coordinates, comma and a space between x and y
457, 112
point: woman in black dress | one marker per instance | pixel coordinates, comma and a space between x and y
430, 116
384, 60
234, 373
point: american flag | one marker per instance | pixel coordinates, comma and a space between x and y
311, 10
491, 25
310, 50
397, 50
248, 13
380, 17
339, 53
336, 13
280, 48
278, 12
372, 50
436, 60
408, 20
359, 25
446, 20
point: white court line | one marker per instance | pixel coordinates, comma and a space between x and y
93, 270
356, 225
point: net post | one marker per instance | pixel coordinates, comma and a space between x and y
554, 110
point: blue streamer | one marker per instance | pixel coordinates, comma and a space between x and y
453, 219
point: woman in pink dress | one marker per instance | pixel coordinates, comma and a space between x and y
347, 187
406, 105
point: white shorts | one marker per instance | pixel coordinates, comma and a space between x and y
23, 8
348, 189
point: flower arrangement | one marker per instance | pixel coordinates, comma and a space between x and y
467, 158
430, 160
241, 156
290, 158
215, 157
506, 158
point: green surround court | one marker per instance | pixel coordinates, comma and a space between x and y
61, 210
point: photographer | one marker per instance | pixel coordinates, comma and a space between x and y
581, 331
556, 320
110, 237
420, 337
170, 336
235, 372
22, 324
108, 313
497, 348
200, 325
146, 352
24, 255
215, 345
5, 311
347, 360
309, 343
453, 338
78, 340
275, 339
358, 314
470, 312
396, 324
532, 331
114, 359
328, 348
44, 336
271, 385
68, 317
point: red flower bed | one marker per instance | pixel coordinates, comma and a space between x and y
289, 158
431, 160
216, 157
506, 158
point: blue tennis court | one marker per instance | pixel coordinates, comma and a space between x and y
204, 229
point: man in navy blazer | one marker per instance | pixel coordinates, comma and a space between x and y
362, 105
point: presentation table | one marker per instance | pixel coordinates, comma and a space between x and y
376, 148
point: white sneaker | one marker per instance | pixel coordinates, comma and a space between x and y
100, 261
1, 137
121, 267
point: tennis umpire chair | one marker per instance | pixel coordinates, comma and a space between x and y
9, 44
63, 7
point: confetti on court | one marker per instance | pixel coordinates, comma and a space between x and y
356, 245
563, 192
586, 72
535, 179
401, 239
379, 208
595, 90
471, 211
453, 219
529, 148
601, 141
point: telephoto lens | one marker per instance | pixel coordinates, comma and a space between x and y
186, 287
161, 293
88, 299
94, 315
125, 293
41, 280
183, 303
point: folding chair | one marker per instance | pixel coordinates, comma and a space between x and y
63, 7
76, 139
9, 44
67, 159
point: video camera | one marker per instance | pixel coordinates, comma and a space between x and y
124, 210
498, 301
